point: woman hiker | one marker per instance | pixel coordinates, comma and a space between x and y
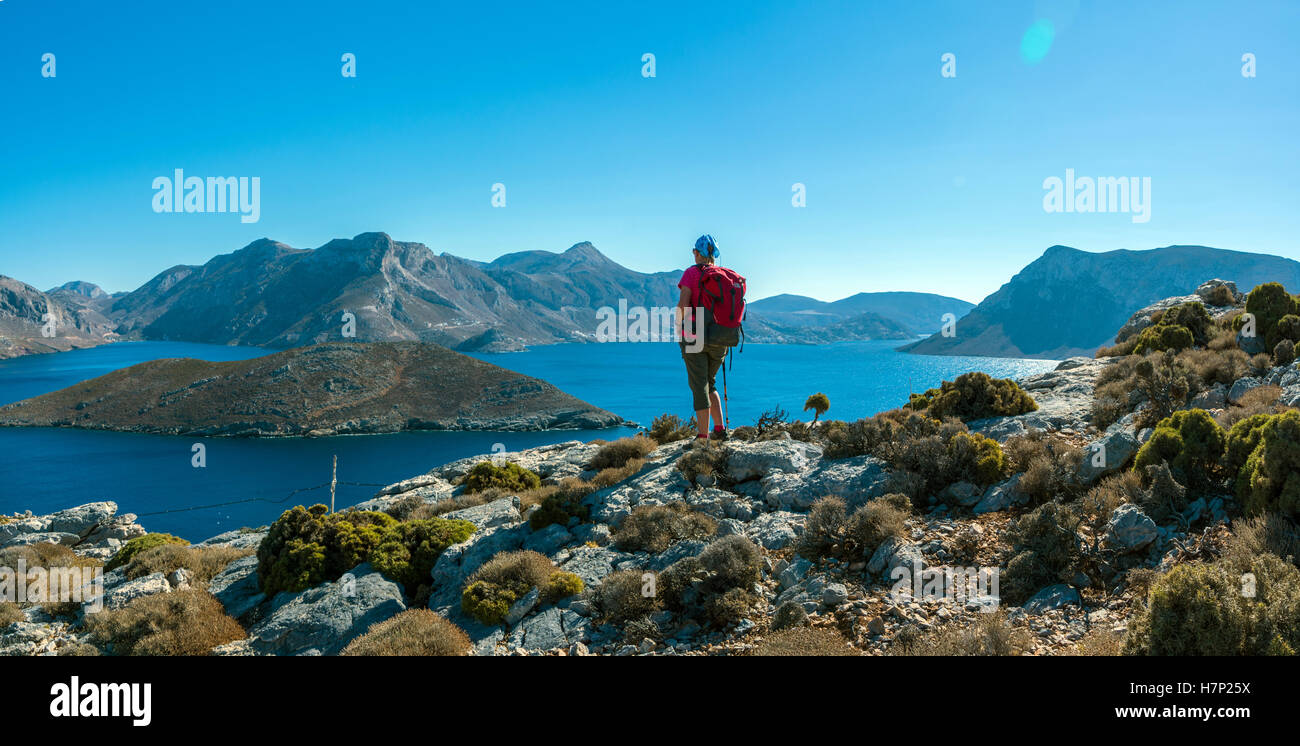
702, 365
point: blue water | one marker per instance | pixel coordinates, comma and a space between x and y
640, 381
45, 469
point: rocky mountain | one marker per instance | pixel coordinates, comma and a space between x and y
320, 390
917, 313
1071, 302
25, 313
88, 290
273, 295
269, 294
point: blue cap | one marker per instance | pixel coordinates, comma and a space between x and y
707, 246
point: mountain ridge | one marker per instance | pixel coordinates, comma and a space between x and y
1070, 302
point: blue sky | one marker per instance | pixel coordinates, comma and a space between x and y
914, 181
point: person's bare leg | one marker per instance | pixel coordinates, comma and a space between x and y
702, 421
715, 402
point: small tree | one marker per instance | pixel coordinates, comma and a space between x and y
818, 403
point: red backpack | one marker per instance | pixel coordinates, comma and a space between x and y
721, 291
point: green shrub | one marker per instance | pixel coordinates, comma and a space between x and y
563, 505
511, 477
560, 586
704, 459
1272, 471
1162, 337
729, 607
1270, 303
974, 396
1241, 441
1221, 296
654, 528
140, 544
789, 614
1288, 329
823, 531
669, 428
413, 632
818, 403
1050, 472
1193, 317
499, 582
1268, 533
1284, 352
877, 520
1191, 442
1046, 550
1201, 609
624, 595
615, 455
730, 562
486, 602
975, 458
409, 552
309, 546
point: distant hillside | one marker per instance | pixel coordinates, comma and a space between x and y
321, 390
270, 294
1070, 302
23, 311
917, 313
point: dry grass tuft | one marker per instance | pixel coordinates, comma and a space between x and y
412, 632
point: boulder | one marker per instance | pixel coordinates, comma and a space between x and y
81, 520
856, 480
758, 459
834, 594
521, 608
1241, 386
500, 512
126, 592
43, 537
1051, 597
1215, 397
776, 530
1252, 345
1206, 291
1129, 529
895, 552
1107, 454
592, 564
324, 619
236, 587
964, 494
1000, 496
243, 538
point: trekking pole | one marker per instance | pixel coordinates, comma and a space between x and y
726, 411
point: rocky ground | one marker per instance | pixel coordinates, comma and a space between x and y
771, 485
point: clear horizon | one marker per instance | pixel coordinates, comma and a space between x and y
914, 181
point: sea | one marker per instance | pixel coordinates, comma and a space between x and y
250, 482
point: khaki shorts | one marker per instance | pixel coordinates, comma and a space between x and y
701, 368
